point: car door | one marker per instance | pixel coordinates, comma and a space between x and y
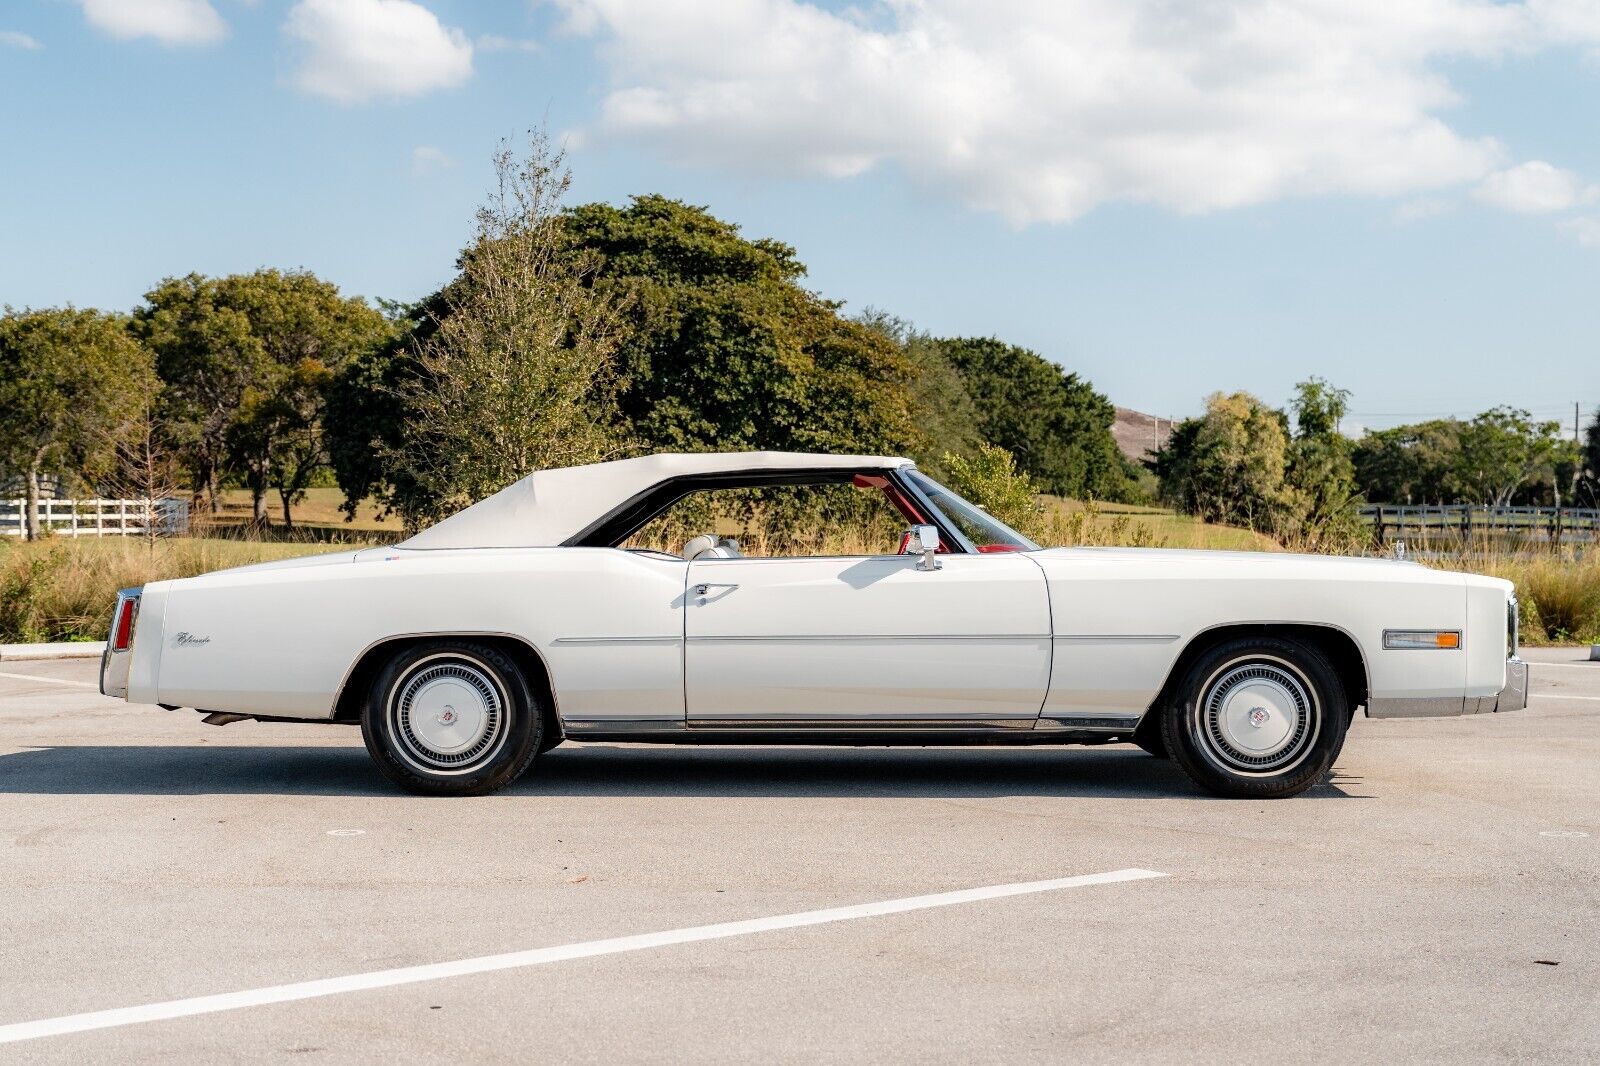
874, 639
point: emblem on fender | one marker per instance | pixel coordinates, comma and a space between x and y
189, 640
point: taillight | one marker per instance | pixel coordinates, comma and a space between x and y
122, 625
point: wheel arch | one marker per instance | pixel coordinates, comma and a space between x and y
353, 689
1333, 641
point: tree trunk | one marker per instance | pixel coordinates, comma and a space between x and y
258, 504
288, 518
31, 519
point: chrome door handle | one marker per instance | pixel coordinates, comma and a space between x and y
704, 588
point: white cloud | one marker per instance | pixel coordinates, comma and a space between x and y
1534, 187
1042, 110
13, 39
1586, 228
168, 21
356, 50
425, 159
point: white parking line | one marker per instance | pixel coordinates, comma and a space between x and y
1559, 696
51, 680
1567, 666
256, 997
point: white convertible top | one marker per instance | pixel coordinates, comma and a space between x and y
553, 506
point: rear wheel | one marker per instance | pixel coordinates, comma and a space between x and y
452, 718
1257, 718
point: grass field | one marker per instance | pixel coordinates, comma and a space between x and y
1159, 527
318, 513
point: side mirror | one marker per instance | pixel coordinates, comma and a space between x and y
925, 542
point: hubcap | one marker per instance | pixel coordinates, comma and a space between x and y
1258, 716
448, 714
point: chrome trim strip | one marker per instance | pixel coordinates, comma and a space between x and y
592, 641
1113, 722
1118, 638
856, 638
1416, 707
582, 727
857, 725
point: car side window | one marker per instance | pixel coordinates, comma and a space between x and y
778, 521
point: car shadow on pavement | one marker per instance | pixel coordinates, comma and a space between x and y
1116, 772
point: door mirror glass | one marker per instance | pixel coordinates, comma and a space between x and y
924, 541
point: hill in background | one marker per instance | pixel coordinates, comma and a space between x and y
1139, 434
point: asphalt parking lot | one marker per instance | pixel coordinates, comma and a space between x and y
1438, 899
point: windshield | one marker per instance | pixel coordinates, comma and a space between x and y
986, 532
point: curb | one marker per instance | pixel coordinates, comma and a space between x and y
77, 649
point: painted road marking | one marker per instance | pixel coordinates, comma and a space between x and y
256, 997
1559, 696
52, 680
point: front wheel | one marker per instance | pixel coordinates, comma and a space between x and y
1257, 718
451, 718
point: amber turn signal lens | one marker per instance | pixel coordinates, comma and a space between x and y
1420, 639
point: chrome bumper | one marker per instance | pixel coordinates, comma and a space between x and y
1513, 697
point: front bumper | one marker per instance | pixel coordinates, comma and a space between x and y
1513, 697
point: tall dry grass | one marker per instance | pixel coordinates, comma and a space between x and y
63, 588
1558, 590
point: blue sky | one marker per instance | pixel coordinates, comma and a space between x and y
1403, 197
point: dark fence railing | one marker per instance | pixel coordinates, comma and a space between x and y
1464, 522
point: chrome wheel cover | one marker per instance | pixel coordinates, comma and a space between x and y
1257, 716
447, 714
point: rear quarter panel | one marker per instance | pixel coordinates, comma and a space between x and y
279, 641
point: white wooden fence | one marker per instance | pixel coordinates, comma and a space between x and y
97, 518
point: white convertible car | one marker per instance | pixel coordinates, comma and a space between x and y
527, 619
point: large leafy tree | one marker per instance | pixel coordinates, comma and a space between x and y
70, 381
1501, 456
727, 349
1055, 425
1228, 465
248, 360
719, 348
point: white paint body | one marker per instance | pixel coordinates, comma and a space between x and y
1044, 637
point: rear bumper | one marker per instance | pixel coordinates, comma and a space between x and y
1513, 697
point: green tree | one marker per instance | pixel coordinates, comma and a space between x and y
1053, 422
248, 360
989, 478
727, 350
514, 371
1501, 450
943, 414
1228, 465
206, 355
68, 380
1320, 476
1409, 464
